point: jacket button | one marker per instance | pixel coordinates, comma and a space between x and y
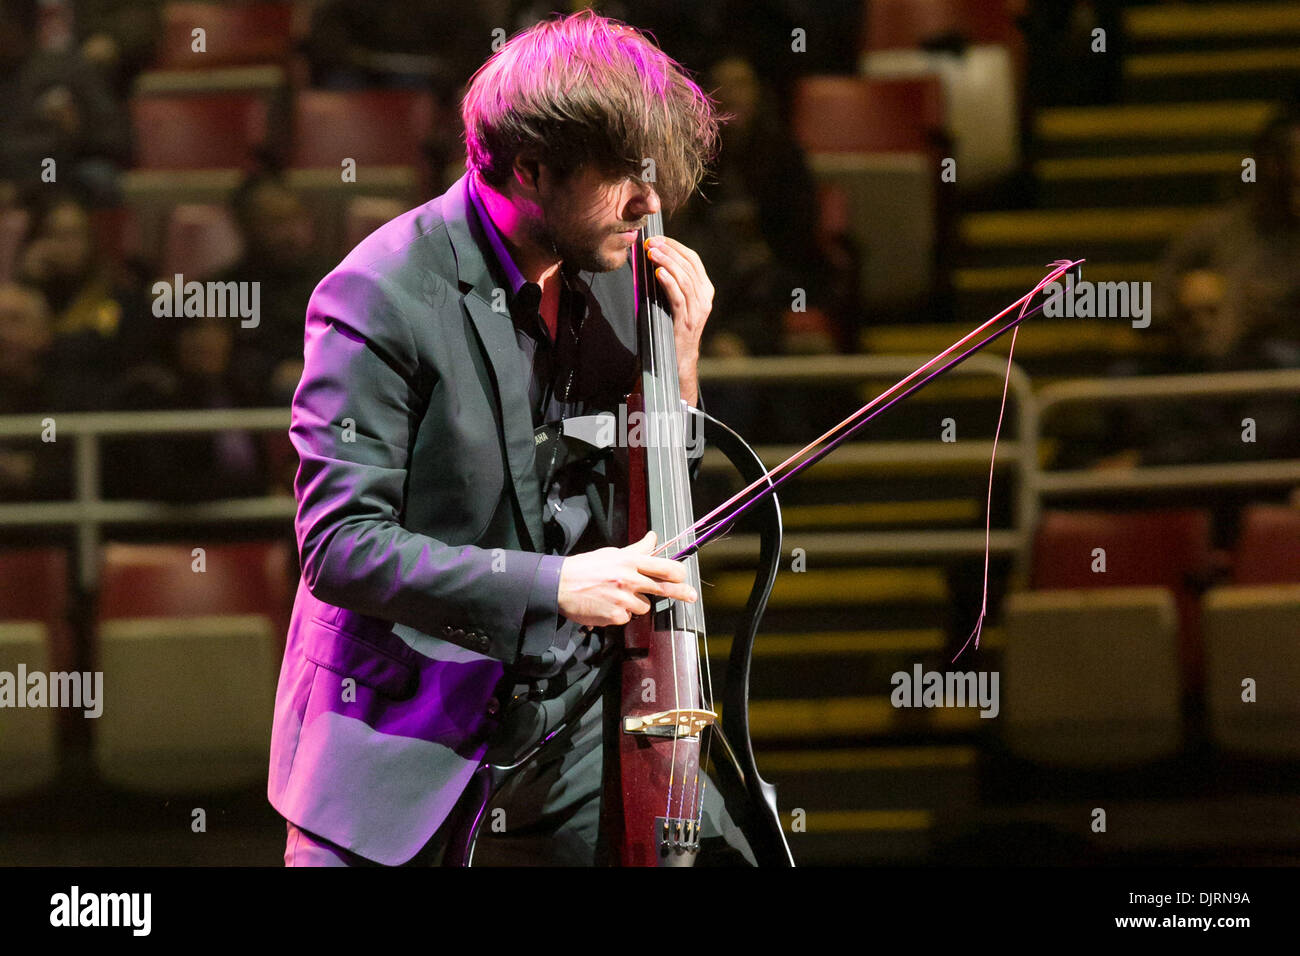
493, 705
457, 635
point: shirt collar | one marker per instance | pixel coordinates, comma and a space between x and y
513, 275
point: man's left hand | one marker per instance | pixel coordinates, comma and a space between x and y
690, 299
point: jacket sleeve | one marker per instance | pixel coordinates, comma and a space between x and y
356, 411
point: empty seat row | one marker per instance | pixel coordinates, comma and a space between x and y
1092, 677
1170, 549
188, 643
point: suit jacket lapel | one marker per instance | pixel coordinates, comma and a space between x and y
496, 330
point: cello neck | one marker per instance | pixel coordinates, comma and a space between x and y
666, 426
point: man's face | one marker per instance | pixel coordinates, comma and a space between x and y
66, 240
592, 217
24, 327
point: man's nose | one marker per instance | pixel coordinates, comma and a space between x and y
644, 201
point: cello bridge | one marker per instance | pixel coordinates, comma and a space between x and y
683, 722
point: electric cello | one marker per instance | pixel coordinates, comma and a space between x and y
661, 723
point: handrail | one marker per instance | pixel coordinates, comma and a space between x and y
88, 512
1166, 388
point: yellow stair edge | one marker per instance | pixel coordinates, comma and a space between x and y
1180, 20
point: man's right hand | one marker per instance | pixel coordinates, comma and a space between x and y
605, 587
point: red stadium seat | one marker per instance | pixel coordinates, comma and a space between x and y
192, 656
235, 35
844, 114
372, 127
1268, 547
1170, 549
877, 141
906, 24
34, 586
201, 239
198, 131
158, 580
36, 632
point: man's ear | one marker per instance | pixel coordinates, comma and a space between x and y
527, 172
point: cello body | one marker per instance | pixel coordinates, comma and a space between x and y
660, 715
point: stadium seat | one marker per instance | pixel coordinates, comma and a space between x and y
117, 232
29, 746
874, 143
34, 631
847, 114
1091, 677
1168, 549
157, 580
192, 659
1254, 632
37, 587
198, 131
372, 127
238, 34
908, 24
980, 101
200, 239
1268, 546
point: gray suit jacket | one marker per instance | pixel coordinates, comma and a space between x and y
418, 527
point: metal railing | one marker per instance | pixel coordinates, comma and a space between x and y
1166, 388
88, 512
841, 369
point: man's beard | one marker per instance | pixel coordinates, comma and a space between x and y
550, 233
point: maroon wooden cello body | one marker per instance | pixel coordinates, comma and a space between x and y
661, 718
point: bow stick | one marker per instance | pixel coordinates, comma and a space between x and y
702, 531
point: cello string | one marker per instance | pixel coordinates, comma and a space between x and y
669, 419
703, 670
676, 420
851, 424
653, 402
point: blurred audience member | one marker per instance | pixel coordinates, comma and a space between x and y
34, 378
278, 240
57, 107
120, 38
97, 312
356, 44
199, 375
756, 227
1227, 298
1233, 277
1076, 51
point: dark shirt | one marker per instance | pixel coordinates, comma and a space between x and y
548, 368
